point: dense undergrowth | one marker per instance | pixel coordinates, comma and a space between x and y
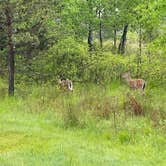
94, 125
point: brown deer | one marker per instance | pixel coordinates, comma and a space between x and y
134, 84
65, 84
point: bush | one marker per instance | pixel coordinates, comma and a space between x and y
71, 59
133, 105
124, 137
67, 58
71, 113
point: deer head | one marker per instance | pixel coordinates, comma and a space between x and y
126, 75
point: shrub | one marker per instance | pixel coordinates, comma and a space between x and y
68, 58
124, 137
71, 113
133, 105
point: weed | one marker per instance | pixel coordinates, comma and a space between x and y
133, 105
72, 114
124, 137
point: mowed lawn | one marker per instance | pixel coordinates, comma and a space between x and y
40, 139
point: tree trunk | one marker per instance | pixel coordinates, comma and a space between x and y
11, 49
90, 37
122, 44
100, 30
115, 37
90, 31
115, 26
140, 51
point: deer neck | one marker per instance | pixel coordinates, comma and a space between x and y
128, 79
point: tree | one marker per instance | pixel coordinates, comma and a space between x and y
121, 49
126, 18
11, 62
3, 42
146, 23
90, 25
101, 12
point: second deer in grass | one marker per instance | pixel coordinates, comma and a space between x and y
65, 84
134, 84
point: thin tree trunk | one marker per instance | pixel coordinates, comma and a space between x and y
11, 49
90, 29
115, 38
150, 40
122, 44
140, 44
139, 59
115, 31
100, 30
90, 37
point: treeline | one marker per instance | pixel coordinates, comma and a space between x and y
84, 40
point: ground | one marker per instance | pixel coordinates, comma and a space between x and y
40, 138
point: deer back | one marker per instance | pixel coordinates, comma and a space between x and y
136, 83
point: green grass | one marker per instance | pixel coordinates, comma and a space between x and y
35, 131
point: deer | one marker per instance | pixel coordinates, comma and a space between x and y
134, 84
65, 84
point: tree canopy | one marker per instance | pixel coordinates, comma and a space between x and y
42, 39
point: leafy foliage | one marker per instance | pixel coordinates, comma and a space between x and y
50, 40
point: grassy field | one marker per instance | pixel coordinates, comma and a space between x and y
42, 127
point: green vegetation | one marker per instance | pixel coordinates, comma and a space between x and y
84, 40
46, 46
47, 127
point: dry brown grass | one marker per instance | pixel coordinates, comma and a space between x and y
101, 107
133, 106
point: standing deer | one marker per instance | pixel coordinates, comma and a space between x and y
65, 84
134, 84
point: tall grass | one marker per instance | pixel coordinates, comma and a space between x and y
44, 126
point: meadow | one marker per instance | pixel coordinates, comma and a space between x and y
42, 126
94, 44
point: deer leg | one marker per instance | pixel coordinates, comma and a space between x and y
142, 92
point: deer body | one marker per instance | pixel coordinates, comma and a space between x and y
66, 84
134, 84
